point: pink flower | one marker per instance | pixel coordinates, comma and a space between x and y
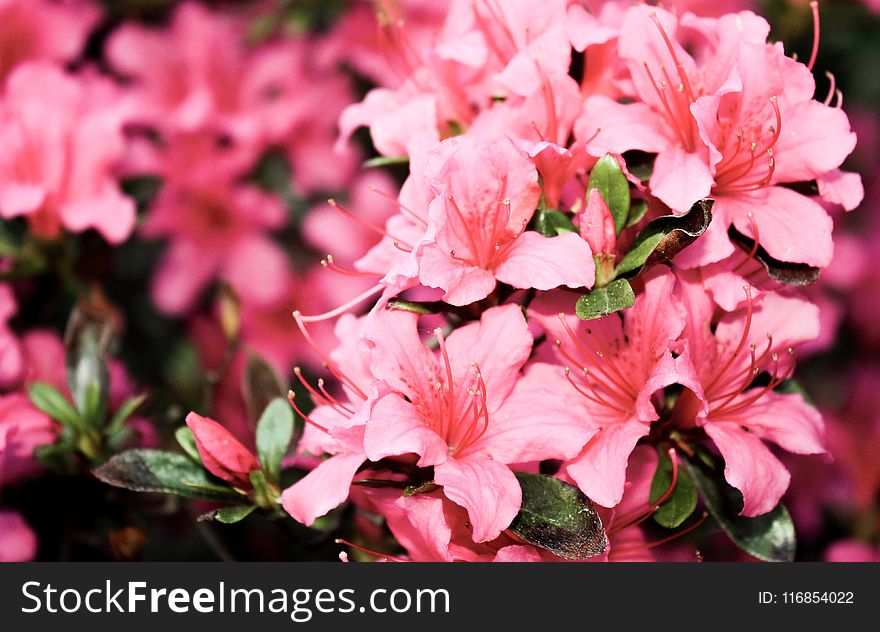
721, 358
222, 454
22, 428
43, 30
734, 121
852, 551
11, 357
616, 365
468, 413
62, 138
486, 195
217, 229
18, 542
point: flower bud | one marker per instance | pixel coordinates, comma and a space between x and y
221, 453
597, 228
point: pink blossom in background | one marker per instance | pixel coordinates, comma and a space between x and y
43, 30
11, 357
216, 230
22, 428
852, 551
18, 542
63, 141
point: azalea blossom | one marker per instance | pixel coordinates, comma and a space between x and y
63, 140
735, 121
486, 195
720, 362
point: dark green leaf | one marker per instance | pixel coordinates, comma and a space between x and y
187, 441
550, 222
165, 472
608, 177
52, 402
384, 161
558, 517
602, 301
665, 237
425, 488
261, 386
229, 515
274, 432
681, 503
796, 274
769, 537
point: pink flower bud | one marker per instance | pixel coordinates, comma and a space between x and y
222, 454
597, 225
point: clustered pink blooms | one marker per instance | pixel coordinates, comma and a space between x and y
442, 317
495, 125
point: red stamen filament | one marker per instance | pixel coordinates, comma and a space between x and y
637, 516
814, 7
674, 536
291, 397
384, 556
339, 310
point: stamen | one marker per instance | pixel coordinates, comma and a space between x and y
674, 536
378, 288
405, 209
814, 7
385, 556
291, 397
328, 362
831, 88
379, 231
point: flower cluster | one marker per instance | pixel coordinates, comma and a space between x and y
468, 280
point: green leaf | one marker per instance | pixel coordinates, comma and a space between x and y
681, 503
787, 273
384, 161
665, 237
187, 441
125, 411
261, 386
636, 213
85, 340
52, 402
769, 537
605, 300
413, 306
557, 516
265, 494
146, 470
229, 515
274, 432
608, 177
550, 222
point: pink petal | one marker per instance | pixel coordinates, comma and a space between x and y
419, 523
616, 128
486, 488
750, 467
788, 421
815, 139
517, 553
257, 268
18, 543
500, 344
395, 427
20, 199
543, 263
600, 469
681, 178
462, 284
397, 354
543, 418
324, 488
111, 214
841, 187
791, 226
222, 454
